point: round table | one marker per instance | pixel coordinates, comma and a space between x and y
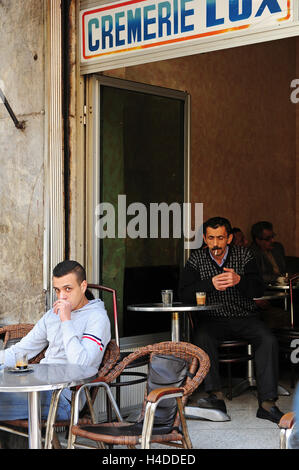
175, 309
42, 377
285, 288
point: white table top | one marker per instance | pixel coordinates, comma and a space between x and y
273, 295
45, 377
176, 307
282, 286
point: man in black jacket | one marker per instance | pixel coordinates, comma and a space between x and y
269, 255
229, 276
271, 263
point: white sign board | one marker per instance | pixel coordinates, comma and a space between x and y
134, 27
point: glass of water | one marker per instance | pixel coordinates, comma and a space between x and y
167, 297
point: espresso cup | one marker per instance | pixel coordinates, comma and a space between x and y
21, 361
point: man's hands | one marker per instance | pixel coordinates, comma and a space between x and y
62, 308
227, 279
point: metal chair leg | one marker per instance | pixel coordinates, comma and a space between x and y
186, 437
148, 422
230, 392
51, 418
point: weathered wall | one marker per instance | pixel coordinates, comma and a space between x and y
21, 161
243, 124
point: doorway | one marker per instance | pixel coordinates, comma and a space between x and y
141, 167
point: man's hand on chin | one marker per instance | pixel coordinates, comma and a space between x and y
62, 308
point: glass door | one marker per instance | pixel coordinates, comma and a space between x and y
140, 178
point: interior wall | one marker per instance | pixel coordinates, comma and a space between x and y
243, 131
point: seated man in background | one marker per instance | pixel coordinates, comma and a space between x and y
270, 258
75, 330
229, 276
239, 238
269, 255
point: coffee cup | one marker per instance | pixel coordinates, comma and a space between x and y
21, 361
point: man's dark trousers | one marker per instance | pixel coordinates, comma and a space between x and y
208, 333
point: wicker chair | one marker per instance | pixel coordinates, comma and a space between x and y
11, 334
123, 433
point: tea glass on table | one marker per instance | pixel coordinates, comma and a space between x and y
200, 298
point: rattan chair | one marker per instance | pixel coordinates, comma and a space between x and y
12, 334
143, 432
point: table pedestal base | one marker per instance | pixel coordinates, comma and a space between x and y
282, 391
204, 413
242, 386
34, 420
251, 383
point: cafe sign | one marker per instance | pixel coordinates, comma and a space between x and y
138, 26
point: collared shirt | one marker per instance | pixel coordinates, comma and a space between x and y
223, 259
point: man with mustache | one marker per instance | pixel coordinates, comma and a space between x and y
229, 276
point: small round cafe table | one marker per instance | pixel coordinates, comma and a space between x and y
175, 310
42, 377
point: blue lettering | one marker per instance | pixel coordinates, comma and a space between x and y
164, 19
93, 46
134, 25
175, 17
118, 29
235, 15
211, 14
106, 33
271, 4
185, 13
148, 21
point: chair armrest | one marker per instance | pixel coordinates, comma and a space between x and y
287, 420
158, 393
90, 385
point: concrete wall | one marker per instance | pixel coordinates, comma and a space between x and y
243, 131
22, 72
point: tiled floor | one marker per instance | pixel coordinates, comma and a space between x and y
244, 431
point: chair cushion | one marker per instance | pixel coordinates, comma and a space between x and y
166, 371
130, 430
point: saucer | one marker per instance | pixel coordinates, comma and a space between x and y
15, 370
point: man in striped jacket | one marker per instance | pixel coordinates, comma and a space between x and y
229, 276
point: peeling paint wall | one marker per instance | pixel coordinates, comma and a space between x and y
22, 75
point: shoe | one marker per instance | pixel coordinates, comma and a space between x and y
273, 415
212, 402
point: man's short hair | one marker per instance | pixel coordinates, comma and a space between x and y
258, 228
215, 222
69, 266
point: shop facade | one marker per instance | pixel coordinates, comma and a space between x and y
231, 65
141, 102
